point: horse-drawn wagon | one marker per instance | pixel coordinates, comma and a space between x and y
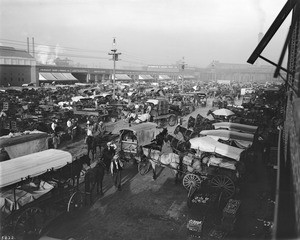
134, 137
34, 190
160, 112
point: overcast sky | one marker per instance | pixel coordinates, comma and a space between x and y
146, 31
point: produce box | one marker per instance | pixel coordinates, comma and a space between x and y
231, 208
216, 234
195, 226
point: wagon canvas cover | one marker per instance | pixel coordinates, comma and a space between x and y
17, 146
208, 144
32, 165
241, 138
236, 127
145, 132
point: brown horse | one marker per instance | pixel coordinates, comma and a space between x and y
186, 133
94, 177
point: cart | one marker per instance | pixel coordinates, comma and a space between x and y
160, 112
30, 197
134, 137
215, 164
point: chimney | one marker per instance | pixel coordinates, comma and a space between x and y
28, 44
260, 37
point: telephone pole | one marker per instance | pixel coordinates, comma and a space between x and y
115, 57
182, 70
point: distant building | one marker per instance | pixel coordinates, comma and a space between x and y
17, 67
240, 73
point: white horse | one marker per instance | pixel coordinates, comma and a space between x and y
166, 160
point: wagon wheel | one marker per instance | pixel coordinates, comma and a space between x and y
144, 167
75, 202
191, 181
225, 184
29, 224
172, 120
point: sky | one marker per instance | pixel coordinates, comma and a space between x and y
147, 32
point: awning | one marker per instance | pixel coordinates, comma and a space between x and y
145, 77
48, 76
69, 76
32, 165
122, 77
63, 77
164, 77
187, 77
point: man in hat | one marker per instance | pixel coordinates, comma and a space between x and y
116, 167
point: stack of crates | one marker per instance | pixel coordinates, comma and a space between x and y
163, 107
230, 214
195, 228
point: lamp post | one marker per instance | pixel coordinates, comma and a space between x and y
115, 57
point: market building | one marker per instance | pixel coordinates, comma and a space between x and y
17, 67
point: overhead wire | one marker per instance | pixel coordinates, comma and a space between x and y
77, 52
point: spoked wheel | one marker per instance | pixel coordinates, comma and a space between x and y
29, 224
75, 202
144, 167
172, 120
191, 181
224, 184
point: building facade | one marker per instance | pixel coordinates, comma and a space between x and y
17, 67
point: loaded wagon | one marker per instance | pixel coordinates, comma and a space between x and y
134, 137
214, 163
160, 112
31, 197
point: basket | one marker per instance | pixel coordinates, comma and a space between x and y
195, 226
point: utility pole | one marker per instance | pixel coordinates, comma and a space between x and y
182, 70
115, 57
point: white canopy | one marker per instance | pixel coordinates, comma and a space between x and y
223, 112
208, 144
228, 134
154, 101
236, 127
32, 165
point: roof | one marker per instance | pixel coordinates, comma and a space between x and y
12, 52
32, 165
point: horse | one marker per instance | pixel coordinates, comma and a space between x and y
94, 177
156, 158
90, 146
186, 133
159, 138
177, 145
191, 122
70, 171
98, 141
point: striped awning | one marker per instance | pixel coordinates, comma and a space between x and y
49, 76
